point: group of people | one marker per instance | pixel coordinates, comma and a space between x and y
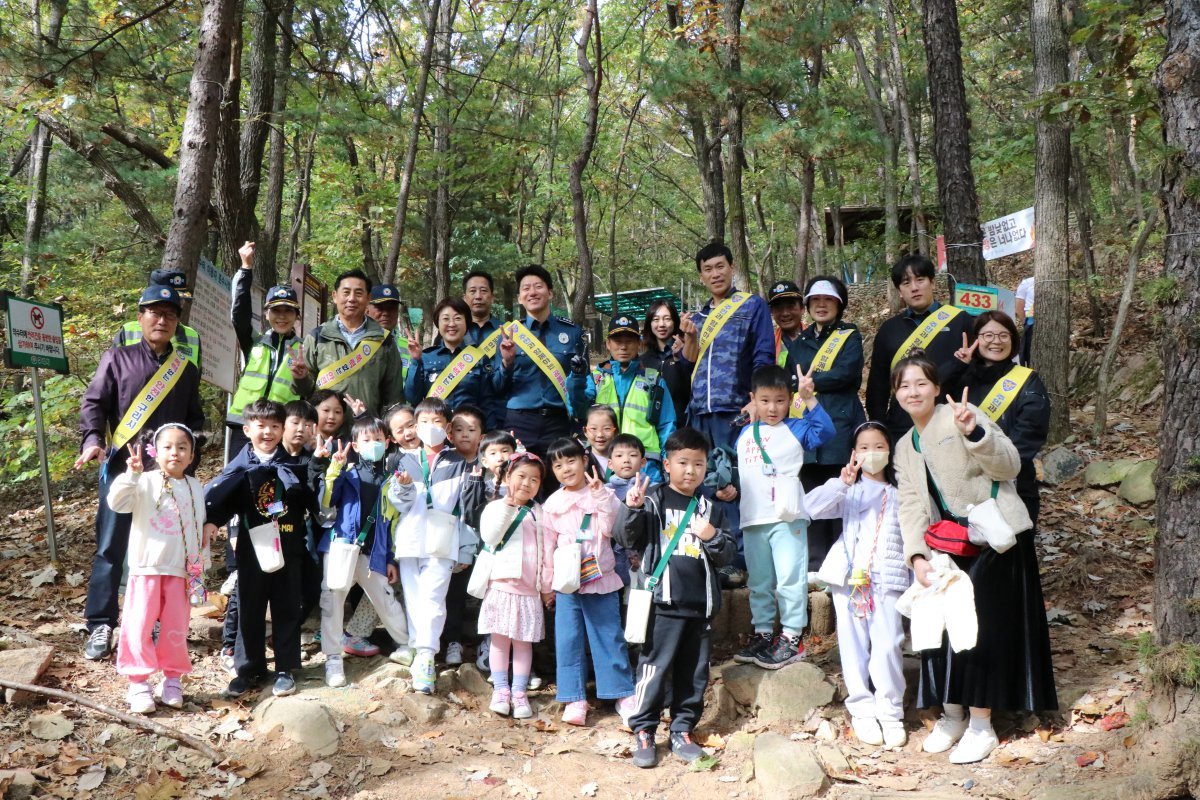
723, 446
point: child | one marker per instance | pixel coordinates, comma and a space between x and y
512, 607
628, 459
466, 430
582, 510
600, 428
482, 487
867, 573
331, 412
674, 657
402, 426
355, 498
263, 485
424, 573
300, 429
770, 453
167, 551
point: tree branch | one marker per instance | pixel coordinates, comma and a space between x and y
134, 142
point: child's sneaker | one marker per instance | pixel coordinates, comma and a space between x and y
141, 698
645, 753
171, 692
867, 730
759, 644
483, 655
785, 650
358, 646
454, 654
975, 745
227, 661
945, 734
575, 713
423, 677
626, 707
403, 655
535, 681
501, 702
335, 674
520, 706
894, 735
285, 684
683, 746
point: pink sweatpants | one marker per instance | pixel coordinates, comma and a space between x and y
149, 599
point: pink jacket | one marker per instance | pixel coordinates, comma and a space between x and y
562, 517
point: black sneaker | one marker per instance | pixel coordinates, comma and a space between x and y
646, 753
285, 684
683, 746
732, 577
759, 643
783, 651
99, 644
237, 687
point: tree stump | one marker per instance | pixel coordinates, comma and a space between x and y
820, 614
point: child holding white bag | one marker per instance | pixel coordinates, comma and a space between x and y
867, 573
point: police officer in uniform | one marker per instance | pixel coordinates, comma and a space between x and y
385, 309
131, 332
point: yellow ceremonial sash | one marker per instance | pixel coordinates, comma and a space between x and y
1004, 392
716, 321
455, 371
343, 368
538, 354
151, 396
824, 360
932, 325
488, 346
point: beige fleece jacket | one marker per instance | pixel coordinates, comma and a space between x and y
963, 470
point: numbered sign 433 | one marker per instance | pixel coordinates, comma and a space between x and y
976, 299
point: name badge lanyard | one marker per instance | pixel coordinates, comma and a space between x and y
768, 467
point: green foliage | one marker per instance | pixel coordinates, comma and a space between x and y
1162, 291
1176, 664
60, 413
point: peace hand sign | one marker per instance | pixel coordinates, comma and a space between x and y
357, 407
321, 448
965, 352
594, 481
297, 365
850, 471
508, 348
135, 459
636, 497
414, 348
805, 387
342, 452
964, 417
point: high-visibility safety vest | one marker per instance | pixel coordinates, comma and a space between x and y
636, 415
131, 333
257, 382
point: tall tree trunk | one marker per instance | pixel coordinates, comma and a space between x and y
304, 168
951, 142
260, 106
441, 152
593, 77
887, 143
198, 144
1177, 545
900, 85
233, 216
410, 150
1051, 270
267, 253
735, 154
363, 208
1081, 199
802, 212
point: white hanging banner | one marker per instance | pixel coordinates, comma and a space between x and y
1007, 235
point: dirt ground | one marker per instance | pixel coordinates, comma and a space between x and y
1096, 573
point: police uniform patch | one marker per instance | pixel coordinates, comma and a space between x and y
164, 293
563, 338
1008, 384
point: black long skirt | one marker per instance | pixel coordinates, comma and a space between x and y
1009, 669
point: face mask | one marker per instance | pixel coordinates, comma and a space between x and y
873, 462
430, 434
372, 451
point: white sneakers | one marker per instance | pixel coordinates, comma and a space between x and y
894, 735
454, 654
867, 730
945, 734
335, 674
975, 745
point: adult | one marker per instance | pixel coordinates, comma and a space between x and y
924, 323
954, 458
544, 366
136, 389
1024, 311
269, 357
483, 331
385, 309
1012, 396
131, 332
662, 349
836, 347
451, 370
348, 352
727, 340
787, 310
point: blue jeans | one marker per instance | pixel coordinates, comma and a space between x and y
590, 620
719, 431
112, 543
777, 557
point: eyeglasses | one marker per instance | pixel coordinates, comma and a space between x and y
162, 313
995, 337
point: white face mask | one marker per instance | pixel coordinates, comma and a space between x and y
430, 434
873, 462
372, 451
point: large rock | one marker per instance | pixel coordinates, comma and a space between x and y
742, 682
24, 666
787, 770
792, 692
1060, 465
423, 709
1138, 485
306, 722
1107, 473
471, 680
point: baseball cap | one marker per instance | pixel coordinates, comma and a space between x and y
282, 296
384, 293
173, 278
159, 294
823, 289
623, 324
784, 290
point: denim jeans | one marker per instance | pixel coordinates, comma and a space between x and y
591, 620
112, 544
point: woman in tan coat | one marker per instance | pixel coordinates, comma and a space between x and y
947, 462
